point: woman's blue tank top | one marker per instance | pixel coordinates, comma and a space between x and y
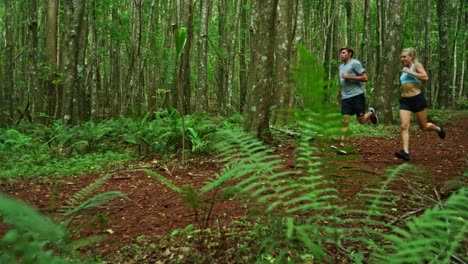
408, 78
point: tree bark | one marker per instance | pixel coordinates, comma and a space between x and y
202, 87
390, 61
33, 83
283, 93
444, 55
260, 89
187, 89
243, 65
8, 96
73, 16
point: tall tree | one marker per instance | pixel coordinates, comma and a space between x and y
73, 16
366, 33
243, 65
349, 21
33, 84
444, 54
51, 91
259, 95
283, 92
202, 86
8, 97
228, 31
186, 61
389, 61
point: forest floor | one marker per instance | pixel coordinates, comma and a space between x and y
155, 210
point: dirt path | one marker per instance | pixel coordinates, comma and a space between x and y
156, 210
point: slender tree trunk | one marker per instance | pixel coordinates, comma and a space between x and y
444, 55
115, 72
82, 107
187, 90
366, 32
243, 66
231, 59
51, 106
202, 87
223, 13
426, 53
8, 96
73, 16
349, 25
329, 52
33, 83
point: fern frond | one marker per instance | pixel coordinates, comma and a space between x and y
32, 238
432, 238
164, 180
95, 201
78, 197
22, 217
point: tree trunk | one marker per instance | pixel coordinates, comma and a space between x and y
50, 90
187, 90
349, 26
426, 53
8, 96
115, 73
390, 61
202, 87
33, 83
243, 66
444, 55
73, 16
260, 89
283, 92
366, 32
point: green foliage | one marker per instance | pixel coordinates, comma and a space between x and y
180, 40
32, 238
80, 203
29, 165
435, 237
461, 104
67, 150
192, 197
90, 134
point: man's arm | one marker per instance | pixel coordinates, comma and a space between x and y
359, 78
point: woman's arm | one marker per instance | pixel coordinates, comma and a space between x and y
419, 71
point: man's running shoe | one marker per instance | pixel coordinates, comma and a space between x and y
339, 147
402, 155
373, 117
441, 132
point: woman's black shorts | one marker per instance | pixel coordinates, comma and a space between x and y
414, 104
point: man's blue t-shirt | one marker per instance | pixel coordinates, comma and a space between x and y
351, 88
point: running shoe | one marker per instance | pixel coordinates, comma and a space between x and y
402, 155
339, 147
441, 132
373, 117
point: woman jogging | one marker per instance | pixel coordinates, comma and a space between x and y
412, 100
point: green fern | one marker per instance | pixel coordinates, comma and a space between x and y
438, 236
79, 203
31, 237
